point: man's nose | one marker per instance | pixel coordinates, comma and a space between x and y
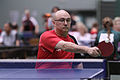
65, 22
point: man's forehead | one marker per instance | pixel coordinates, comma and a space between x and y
6, 24
62, 14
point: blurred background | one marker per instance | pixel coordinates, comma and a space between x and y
88, 11
25, 20
86, 16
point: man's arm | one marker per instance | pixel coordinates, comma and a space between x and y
37, 29
17, 42
71, 47
35, 23
1, 38
22, 28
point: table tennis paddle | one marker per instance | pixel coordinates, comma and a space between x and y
106, 48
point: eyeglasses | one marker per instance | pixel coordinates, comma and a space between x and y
63, 20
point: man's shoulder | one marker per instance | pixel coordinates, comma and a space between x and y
13, 32
3, 33
48, 33
32, 18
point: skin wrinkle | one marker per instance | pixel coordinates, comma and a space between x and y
62, 28
69, 50
70, 47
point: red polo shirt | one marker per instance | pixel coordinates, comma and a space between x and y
48, 41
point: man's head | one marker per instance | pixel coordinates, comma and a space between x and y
7, 27
27, 14
62, 21
55, 9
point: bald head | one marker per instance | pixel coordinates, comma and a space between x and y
62, 22
61, 14
27, 14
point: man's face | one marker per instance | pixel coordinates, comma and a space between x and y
62, 21
27, 15
7, 28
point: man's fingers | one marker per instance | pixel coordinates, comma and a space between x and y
95, 52
98, 50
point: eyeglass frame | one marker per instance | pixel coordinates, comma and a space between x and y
67, 20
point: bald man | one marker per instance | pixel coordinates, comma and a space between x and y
57, 44
29, 23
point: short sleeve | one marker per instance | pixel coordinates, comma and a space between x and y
34, 21
49, 41
1, 37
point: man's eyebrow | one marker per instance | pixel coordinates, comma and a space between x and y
65, 18
62, 18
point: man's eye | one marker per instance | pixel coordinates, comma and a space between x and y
62, 20
68, 20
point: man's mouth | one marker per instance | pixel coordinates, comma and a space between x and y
65, 27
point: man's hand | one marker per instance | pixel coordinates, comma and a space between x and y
71, 47
94, 51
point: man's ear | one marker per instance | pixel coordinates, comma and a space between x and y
53, 22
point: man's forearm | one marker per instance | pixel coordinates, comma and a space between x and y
22, 28
71, 47
37, 29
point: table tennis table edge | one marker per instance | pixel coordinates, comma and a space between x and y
96, 73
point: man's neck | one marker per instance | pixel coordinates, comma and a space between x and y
8, 33
61, 33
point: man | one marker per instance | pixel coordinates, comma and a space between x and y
116, 25
56, 44
29, 23
49, 21
8, 36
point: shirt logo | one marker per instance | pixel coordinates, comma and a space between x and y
58, 50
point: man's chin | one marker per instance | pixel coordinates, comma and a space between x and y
66, 30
